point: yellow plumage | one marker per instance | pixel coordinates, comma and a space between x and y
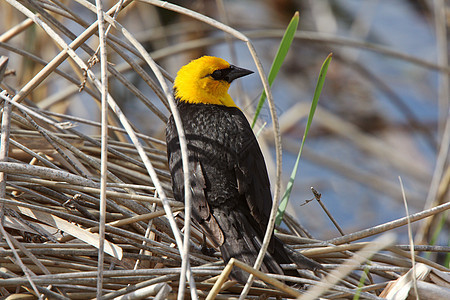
194, 85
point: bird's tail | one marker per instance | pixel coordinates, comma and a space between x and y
243, 243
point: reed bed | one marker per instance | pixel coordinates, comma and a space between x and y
61, 200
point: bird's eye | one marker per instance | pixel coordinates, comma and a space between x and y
217, 75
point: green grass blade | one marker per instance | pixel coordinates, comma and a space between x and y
437, 232
447, 257
320, 81
260, 130
362, 280
283, 49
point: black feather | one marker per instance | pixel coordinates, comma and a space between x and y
236, 187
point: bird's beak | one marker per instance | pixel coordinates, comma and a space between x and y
236, 72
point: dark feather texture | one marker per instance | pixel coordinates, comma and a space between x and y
231, 188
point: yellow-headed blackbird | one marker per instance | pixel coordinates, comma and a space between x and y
229, 181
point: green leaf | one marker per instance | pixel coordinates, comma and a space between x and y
362, 280
447, 257
285, 199
437, 232
283, 49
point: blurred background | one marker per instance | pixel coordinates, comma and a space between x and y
381, 115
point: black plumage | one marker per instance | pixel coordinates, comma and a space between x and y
231, 189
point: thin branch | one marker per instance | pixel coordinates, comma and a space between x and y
318, 196
410, 237
104, 147
337, 274
389, 225
4, 148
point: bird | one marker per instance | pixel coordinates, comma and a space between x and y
231, 195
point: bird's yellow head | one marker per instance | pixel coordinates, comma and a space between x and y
206, 80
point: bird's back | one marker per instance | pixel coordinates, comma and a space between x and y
237, 189
219, 138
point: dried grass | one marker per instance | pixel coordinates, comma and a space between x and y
50, 182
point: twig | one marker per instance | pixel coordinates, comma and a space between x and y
389, 225
14, 31
3, 65
4, 147
317, 195
148, 232
34, 155
339, 273
411, 240
60, 175
139, 285
104, 146
236, 263
25, 270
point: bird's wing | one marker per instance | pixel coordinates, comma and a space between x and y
200, 208
252, 179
